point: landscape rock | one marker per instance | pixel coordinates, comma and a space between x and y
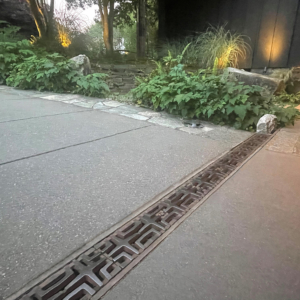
292, 81
266, 124
271, 85
279, 73
82, 64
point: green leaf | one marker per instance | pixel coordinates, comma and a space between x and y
241, 111
210, 112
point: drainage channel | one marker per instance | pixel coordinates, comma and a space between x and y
94, 272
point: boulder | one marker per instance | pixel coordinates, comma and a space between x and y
82, 64
266, 124
279, 73
271, 85
292, 81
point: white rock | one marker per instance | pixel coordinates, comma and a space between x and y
266, 124
82, 64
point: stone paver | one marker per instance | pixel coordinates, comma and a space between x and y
135, 116
62, 97
71, 101
287, 140
196, 130
168, 122
85, 104
150, 114
101, 106
113, 103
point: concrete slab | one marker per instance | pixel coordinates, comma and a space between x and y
38, 135
242, 243
69, 173
22, 93
54, 203
32, 108
5, 95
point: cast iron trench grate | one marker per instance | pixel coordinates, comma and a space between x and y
92, 273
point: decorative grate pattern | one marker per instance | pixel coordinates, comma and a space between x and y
85, 276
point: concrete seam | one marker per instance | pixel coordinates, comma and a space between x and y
70, 146
54, 115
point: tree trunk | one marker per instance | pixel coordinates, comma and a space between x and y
103, 9
141, 28
111, 22
51, 20
38, 17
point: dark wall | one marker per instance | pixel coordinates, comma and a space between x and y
17, 13
273, 26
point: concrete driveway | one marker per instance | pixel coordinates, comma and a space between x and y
68, 173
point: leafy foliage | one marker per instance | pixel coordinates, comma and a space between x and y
91, 85
291, 98
51, 72
12, 50
27, 67
55, 73
208, 96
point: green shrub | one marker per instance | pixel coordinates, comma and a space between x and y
12, 50
54, 72
26, 66
207, 96
92, 85
51, 72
